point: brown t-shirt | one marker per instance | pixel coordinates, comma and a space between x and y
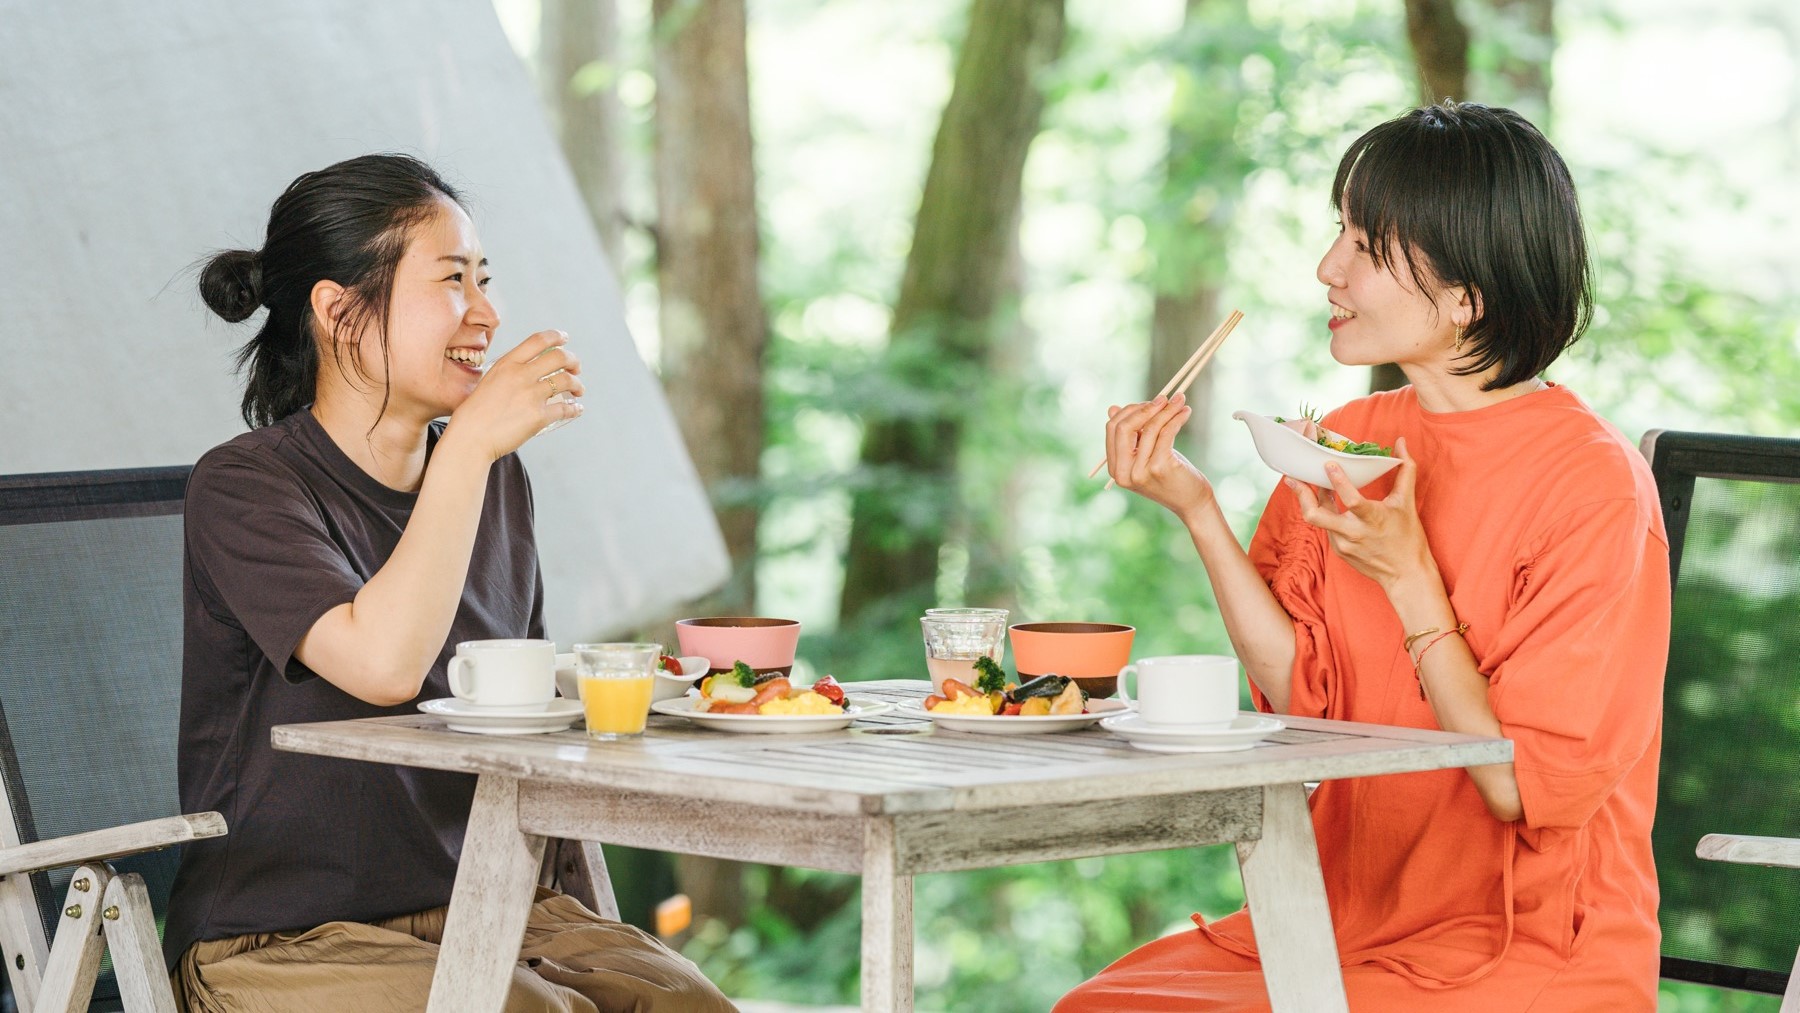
282, 527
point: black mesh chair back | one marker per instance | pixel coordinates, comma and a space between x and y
90, 664
1731, 722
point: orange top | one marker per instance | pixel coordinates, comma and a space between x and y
1545, 523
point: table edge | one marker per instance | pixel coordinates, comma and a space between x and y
894, 798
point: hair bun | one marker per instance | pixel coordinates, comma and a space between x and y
231, 284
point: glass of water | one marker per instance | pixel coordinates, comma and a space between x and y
955, 638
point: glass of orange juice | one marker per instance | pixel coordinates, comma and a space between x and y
616, 682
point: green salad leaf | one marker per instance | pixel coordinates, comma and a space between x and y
1334, 441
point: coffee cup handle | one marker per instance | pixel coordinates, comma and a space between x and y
1123, 693
457, 687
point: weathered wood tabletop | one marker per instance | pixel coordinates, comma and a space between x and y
890, 799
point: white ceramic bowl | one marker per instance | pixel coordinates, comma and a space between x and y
1297, 457
668, 687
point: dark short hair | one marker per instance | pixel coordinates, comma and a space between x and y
348, 223
1473, 195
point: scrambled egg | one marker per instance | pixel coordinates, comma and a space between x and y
975, 706
802, 703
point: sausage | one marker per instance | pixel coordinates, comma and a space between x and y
774, 689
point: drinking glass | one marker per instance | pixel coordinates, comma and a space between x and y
954, 638
563, 397
616, 683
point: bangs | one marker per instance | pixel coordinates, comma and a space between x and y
1403, 187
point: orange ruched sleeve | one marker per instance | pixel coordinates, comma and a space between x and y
1589, 616
1290, 555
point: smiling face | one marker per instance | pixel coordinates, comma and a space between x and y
440, 322
1381, 313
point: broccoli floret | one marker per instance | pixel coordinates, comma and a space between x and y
743, 675
988, 676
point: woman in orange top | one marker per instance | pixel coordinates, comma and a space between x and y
1510, 578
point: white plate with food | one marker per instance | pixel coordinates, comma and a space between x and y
463, 716
1297, 455
854, 707
1019, 724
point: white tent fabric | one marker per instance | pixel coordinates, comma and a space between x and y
137, 138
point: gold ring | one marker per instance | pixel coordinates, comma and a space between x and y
551, 380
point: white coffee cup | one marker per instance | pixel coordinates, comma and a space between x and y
1190, 690
504, 676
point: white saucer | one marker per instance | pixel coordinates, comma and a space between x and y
1246, 731
462, 716
1149, 729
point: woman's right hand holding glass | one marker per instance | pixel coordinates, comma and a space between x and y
1141, 455
521, 394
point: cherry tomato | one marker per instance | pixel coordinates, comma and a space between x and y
828, 688
670, 664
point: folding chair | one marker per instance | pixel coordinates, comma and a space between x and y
90, 687
1731, 728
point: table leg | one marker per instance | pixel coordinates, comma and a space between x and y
1286, 892
887, 943
489, 904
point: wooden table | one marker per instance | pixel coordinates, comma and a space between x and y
888, 804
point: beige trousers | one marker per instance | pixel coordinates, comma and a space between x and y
573, 961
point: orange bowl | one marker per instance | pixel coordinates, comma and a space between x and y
1089, 653
766, 645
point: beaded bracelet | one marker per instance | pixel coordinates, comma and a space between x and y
1418, 660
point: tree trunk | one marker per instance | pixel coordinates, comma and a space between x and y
714, 328
1529, 29
578, 59
1386, 376
992, 521
1440, 45
1203, 181
952, 285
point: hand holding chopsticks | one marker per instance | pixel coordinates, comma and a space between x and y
1184, 377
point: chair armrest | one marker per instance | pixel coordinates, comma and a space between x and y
113, 842
1782, 852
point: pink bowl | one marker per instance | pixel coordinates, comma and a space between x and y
1089, 653
766, 645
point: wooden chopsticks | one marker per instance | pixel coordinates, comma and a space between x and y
1184, 377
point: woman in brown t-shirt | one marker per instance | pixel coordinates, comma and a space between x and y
335, 555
